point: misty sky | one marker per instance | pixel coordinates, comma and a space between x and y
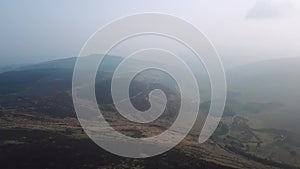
242, 30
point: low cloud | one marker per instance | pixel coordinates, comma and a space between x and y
265, 9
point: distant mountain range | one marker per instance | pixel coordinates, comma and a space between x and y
266, 81
273, 80
254, 88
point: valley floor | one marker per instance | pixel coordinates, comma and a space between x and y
31, 141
